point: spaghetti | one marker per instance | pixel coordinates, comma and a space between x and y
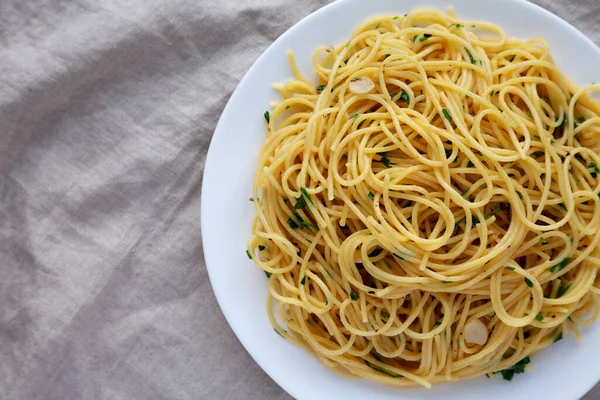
430, 212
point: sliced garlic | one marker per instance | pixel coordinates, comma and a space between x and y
361, 85
476, 332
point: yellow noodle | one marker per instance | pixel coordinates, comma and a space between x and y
463, 187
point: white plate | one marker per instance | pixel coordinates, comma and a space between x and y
566, 370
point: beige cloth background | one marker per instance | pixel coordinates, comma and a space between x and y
106, 112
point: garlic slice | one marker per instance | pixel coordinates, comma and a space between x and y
361, 85
476, 332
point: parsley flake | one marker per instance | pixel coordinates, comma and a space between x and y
560, 265
447, 114
383, 371
267, 116
354, 296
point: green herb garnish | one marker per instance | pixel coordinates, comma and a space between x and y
459, 221
446, 282
320, 88
354, 116
473, 60
518, 368
404, 96
510, 268
279, 333
558, 337
385, 315
248, 254
562, 290
306, 195
539, 317
492, 314
595, 168
383, 371
560, 265
300, 204
447, 114
543, 241
303, 281
267, 116
371, 196
268, 274
528, 282
261, 247
386, 161
458, 26
354, 296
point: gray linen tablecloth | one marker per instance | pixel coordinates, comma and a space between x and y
107, 109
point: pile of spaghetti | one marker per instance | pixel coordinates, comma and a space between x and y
430, 211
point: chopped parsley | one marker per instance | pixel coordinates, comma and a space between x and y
383, 371
306, 195
465, 192
446, 282
320, 88
595, 168
371, 196
354, 116
268, 274
458, 26
473, 60
261, 247
395, 18
492, 314
386, 56
267, 116
470, 164
300, 222
354, 296
510, 268
385, 315
543, 241
303, 281
558, 337
494, 210
292, 223
386, 161
560, 265
279, 333
562, 290
539, 317
459, 221
528, 282
518, 368
447, 114
248, 254
404, 96
300, 204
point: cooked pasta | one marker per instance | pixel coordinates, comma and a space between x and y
430, 210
